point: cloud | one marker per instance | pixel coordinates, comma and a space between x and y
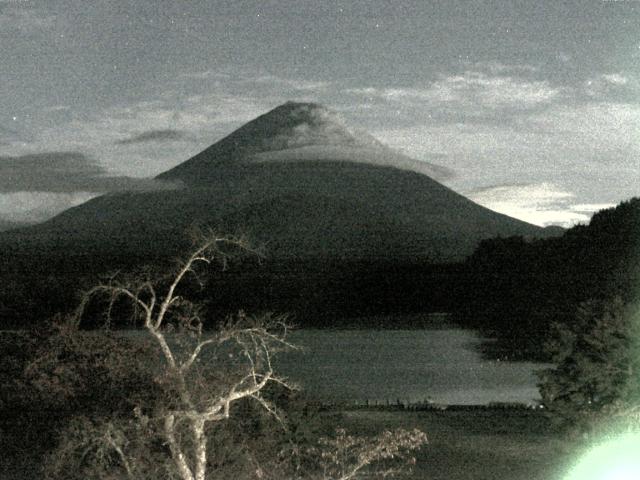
258, 80
165, 135
615, 79
203, 106
64, 172
188, 114
204, 75
321, 126
542, 204
591, 207
612, 87
294, 84
34, 207
499, 68
20, 17
472, 92
491, 124
591, 147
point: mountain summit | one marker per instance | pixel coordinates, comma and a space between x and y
296, 132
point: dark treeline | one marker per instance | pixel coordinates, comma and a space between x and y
510, 288
516, 289
314, 292
332, 293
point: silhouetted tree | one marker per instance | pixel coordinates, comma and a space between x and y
518, 288
597, 373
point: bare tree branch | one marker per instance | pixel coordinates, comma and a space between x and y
161, 307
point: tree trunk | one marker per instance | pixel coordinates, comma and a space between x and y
201, 448
176, 452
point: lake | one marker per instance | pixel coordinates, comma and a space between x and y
440, 363
443, 365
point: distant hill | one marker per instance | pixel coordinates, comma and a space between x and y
297, 181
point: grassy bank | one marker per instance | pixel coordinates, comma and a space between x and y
476, 444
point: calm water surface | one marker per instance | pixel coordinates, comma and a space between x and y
443, 365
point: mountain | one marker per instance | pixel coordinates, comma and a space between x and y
296, 180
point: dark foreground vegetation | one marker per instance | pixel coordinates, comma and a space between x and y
46, 411
478, 444
463, 445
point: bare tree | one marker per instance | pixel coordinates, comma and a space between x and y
192, 378
205, 372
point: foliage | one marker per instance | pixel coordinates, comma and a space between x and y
597, 376
86, 371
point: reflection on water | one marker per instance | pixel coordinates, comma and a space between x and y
443, 365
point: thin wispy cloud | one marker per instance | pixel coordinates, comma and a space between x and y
294, 84
499, 68
165, 135
264, 80
585, 144
204, 75
180, 121
472, 92
612, 87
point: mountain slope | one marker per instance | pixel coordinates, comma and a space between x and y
297, 181
300, 210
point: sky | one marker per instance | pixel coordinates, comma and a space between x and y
534, 105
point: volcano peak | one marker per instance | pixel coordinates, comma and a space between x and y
295, 124
288, 127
